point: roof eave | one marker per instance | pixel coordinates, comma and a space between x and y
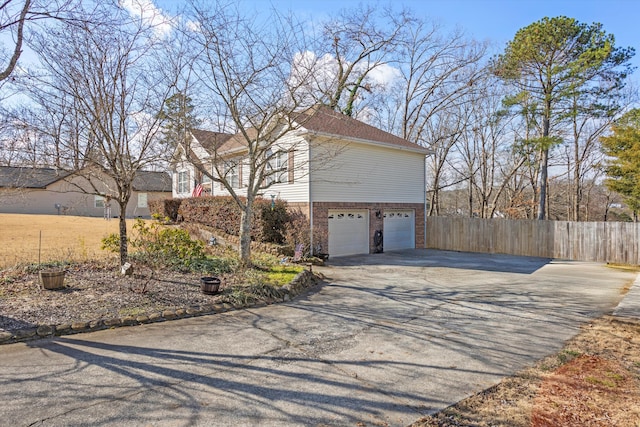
417, 149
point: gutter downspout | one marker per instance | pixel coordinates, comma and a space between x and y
424, 181
311, 254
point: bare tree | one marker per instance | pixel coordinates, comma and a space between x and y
104, 69
14, 16
53, 121
354, 43
243, 67
486, 150
590, 115
436, 75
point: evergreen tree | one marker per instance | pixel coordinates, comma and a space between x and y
552, 62
178, 117
623, 167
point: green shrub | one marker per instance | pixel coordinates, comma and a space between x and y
159, 246
214, 265
268, 223
274, 218
165, 208
155, 244
111, 243
264, 261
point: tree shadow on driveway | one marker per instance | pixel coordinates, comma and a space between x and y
446, 259
102, 383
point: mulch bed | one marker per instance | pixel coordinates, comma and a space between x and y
95, 291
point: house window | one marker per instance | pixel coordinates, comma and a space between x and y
142, 200
183, 182
207, 185
277, 166
231, 173
98, 201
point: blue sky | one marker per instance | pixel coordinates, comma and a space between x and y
494, 20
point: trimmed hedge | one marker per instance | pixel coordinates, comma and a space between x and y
268, 224
165, 208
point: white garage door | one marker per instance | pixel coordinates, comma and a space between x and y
348, 232
399, 229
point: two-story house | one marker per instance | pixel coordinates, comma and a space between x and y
354, 181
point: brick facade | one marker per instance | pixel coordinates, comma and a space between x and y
376, 221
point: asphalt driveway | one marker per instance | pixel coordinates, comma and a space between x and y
388, 339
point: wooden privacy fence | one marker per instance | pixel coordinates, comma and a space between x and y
614, 242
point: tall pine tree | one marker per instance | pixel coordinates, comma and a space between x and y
551, 62
178, 118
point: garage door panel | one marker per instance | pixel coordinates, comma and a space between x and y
348, 232
399, 229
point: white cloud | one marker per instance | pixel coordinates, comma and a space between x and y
151, 15
194, 26
383, 75
324, 70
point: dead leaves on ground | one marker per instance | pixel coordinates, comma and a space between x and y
594, 381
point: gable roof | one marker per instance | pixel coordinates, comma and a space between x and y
152, 181
319, 119
29, 177
210, 140
36, 177
324, 120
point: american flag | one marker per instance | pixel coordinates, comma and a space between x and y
197, 191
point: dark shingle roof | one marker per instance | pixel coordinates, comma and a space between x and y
210, 140
324, 120
152, 181
319, 119
29, 177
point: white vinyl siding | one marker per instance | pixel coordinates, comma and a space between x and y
298, 190
368, 173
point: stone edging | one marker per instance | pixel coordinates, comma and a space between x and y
303, 281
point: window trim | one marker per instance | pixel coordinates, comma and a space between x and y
98, 201
183, 182
278, 167
145, 197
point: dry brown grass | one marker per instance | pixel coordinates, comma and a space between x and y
594, 381
64, 238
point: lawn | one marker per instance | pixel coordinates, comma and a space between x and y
64, 238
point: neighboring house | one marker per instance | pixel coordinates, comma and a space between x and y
53, 191
350, 178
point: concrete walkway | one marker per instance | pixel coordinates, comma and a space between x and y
629, 307
388, 339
